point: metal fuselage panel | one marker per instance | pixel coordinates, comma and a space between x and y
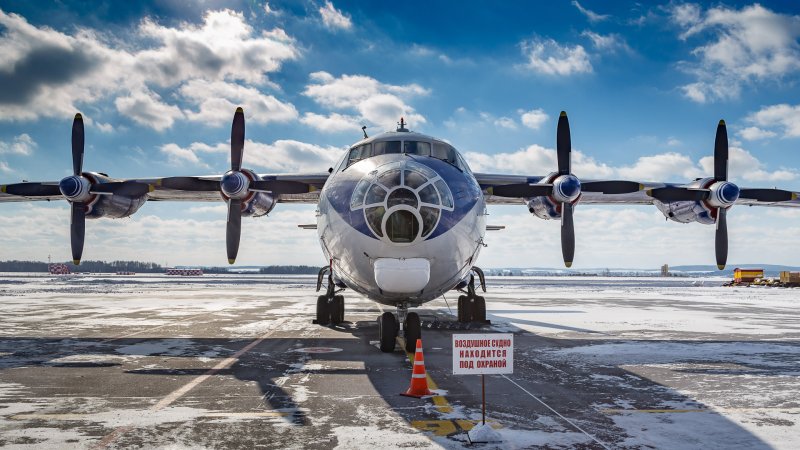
352, 243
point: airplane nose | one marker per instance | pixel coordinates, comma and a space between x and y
402, 201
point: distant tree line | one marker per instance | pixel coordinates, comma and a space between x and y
143, 267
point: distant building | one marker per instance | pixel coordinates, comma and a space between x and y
665, 270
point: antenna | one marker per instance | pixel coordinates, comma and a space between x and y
402, 125
364, 130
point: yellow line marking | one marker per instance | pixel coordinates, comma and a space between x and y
449, 427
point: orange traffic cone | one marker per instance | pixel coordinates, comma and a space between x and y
419, 379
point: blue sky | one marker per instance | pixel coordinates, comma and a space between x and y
644, 86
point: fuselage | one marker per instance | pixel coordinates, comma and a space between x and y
401, 218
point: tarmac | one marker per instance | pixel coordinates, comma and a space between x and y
110, 361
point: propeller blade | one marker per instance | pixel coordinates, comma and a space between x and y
721, 153
279, 186
523, 190
125, 188
233, 229
721, 238
611, 187
678, 194
237, 139
77, 144
190, 184
567, 234
768, 195
31, 189
563, 145
77, 230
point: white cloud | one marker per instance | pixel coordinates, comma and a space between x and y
22, 144
282, 156
609, 43
534, 118
50, 73
179, 156
750, 45
216, 102
592, 16
783, 116
755, 133
332, 123
548, 57
333, 18
4, 167
146, 108
662, 167
375, 102
666, 167
535, 160
742, 165
506, 122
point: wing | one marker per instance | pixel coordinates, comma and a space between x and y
502, 189
285, 188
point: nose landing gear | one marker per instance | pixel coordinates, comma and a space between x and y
389, 328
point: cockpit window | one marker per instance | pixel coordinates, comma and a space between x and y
438, 150
417, 148
386, 147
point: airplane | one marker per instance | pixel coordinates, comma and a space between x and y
401, 218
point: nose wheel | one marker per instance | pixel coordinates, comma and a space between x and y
389, 328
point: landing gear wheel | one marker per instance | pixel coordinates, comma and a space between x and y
479, 309
323, 312
413, 331
337, 310
464, 314
387, 332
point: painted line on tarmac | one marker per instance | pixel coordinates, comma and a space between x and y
573, 424
90, 416
183, 390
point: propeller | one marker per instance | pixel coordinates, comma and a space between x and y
233, 228
563, 153
77, 227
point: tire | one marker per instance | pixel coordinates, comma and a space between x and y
323, 312
479, 309
387, 332
413, 331
463, 309
337, 314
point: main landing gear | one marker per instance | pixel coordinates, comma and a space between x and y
472, 307
330, 307
389, 328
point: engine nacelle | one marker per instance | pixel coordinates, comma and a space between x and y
723, 194
236, 185
566, 189
77, 189
686, 212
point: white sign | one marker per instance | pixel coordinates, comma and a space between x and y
476, 354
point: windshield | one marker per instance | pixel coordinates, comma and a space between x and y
438, 150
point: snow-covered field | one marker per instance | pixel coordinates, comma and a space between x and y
623, 363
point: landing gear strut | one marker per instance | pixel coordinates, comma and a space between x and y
330, 307
389, 328
472, 307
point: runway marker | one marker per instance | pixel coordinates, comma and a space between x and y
556, 412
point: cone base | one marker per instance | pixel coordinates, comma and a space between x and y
409, 393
